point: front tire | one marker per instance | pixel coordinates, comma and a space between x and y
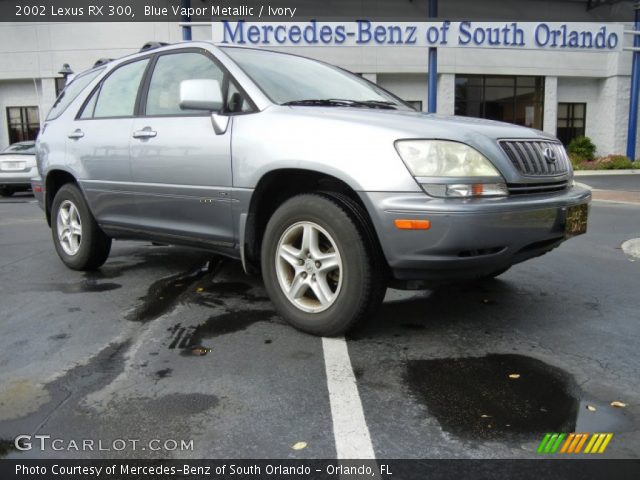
6, 192
319, 266
79, 241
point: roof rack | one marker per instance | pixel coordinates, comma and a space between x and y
102, 61
152, 45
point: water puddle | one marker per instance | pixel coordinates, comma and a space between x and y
163, 294
499, 397
6, 447
85, 286
495, 396
164, 373
214, 294
229, 322
197, 351
189, 339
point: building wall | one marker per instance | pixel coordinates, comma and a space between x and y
410, 87
38, 50
23, 93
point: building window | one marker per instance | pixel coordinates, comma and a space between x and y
24, 123
571, 121
61, 82
510, 99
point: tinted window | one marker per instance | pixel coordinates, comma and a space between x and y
170, 70
512, 99
70, 93
117, 96
23, 123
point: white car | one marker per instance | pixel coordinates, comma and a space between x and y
17, 168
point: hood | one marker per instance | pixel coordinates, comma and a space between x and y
408, 124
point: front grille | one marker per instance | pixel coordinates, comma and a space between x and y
531, 188
528, 156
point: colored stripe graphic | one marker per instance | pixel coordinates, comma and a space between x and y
551, 442
598, 442
572, 443
543, 443
584, 439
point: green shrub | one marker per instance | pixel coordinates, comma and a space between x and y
582, 149
576, 161
635, 165
614, 162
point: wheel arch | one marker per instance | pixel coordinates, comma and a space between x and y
54, 181
273, 189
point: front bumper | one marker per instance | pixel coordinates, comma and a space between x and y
37, 186
468, 238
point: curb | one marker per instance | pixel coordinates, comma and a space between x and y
587, 173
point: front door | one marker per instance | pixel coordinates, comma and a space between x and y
180, 167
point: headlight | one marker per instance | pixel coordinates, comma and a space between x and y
454, 163
441, 158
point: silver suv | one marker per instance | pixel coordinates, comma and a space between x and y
329, 185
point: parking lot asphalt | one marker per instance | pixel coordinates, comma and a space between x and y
170, 343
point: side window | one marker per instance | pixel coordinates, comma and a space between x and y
117, 95
70, 93
87, 111
164, 89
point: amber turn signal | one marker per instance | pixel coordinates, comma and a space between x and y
413, 224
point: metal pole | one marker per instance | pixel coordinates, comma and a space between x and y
635, 90
186, 29
433, 65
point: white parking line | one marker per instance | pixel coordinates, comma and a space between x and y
349, 426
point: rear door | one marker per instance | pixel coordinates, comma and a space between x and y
98, 144
180, 167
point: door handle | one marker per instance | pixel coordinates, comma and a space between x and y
76, 134
146, 132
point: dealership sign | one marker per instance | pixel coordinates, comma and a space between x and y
591, 37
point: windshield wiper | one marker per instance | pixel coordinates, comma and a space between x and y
338, 102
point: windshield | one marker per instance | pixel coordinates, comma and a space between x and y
289, 79
25, 148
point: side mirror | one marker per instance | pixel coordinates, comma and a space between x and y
201, 95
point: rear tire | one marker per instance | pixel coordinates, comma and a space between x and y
79, 241
320, 268
6, 192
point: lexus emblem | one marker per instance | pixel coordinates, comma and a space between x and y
549, 155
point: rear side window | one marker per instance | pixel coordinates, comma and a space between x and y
70, 93
118, 92
164, 89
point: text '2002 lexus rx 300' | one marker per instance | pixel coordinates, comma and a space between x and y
328, 185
